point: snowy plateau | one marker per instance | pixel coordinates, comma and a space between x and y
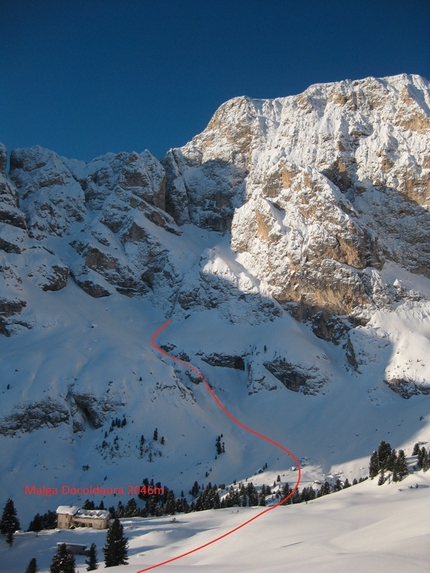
289, 245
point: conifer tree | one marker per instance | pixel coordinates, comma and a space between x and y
131, 509
374, 465
115, 550
381, 480
325, 488
262, 499
285, 492
391, 461
9, 522
170, 503
63, 561
384, 452
401, 466
423, 459
32, 566
416, 449
337, 486
92, 558
195, 489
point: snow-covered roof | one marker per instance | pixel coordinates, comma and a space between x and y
68, 509
78, 512
93, 513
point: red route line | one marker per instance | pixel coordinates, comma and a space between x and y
242, 426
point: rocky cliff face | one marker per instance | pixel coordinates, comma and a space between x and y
309, 197
319, 188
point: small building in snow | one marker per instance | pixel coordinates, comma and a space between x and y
75, 548
71, 516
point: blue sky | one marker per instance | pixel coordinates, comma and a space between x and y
84, 77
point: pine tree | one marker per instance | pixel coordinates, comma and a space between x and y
155, 436
374, 465
120, 509
141, 444
416, 449
131, 509
384, 453
9, 522
195, 489
63, 561
325, 488
391, 461
285, 492
92, 558
401, 467
381, 480
170, 503
337, 486
115, 549
262, 499
423, 460
32, 566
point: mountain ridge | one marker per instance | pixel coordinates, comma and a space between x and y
289, 243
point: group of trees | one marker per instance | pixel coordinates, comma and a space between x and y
219, 446
115, 553
386, 459
309, 493
46, 521
115, 549
117, 423
64, 561
162, 501
149, 448
155, 437
423, 455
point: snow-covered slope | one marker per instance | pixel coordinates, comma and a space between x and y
289, 243
364, 529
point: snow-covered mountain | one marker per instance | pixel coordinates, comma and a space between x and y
290, 245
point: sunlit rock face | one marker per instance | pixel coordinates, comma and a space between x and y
315, 188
